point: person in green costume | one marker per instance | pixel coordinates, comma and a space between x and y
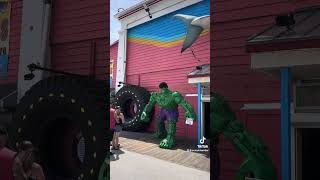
223, 121
168, 101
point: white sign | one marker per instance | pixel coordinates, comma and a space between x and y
189, 121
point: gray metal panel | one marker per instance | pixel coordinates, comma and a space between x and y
306, 25
33, 41
205, 70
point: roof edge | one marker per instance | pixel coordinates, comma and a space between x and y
282, 45
199, 75
133, 9
115, 42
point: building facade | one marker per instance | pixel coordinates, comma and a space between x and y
149, 52
260, 95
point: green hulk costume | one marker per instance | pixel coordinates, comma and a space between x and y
257, 163
168, 101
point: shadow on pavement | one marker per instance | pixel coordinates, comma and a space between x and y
114, 156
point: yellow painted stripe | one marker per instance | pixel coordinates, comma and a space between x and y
160, 43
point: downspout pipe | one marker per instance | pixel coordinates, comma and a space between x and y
285, 124
45, 46
199, 113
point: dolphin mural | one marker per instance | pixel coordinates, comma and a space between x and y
195, 26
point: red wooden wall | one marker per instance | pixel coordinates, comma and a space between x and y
232, 23
79, 37
149, 82
148, 66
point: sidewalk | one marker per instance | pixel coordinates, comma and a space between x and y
126, 165
145, 144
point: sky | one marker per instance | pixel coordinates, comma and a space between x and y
114, 23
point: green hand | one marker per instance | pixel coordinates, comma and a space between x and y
191, 115
144, 117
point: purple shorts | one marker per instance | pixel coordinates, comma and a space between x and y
171, 115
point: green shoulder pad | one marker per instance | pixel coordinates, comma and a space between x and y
153, 95
177, 97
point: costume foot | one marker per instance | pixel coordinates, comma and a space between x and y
160, 135
168, 142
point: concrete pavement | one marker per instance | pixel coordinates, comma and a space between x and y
126, 165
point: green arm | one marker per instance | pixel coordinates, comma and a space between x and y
152, 102
257, 161
235, 133
104, 173
148, 108
186, 106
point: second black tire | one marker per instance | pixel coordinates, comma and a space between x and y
132, 100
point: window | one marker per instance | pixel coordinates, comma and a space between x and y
307, 96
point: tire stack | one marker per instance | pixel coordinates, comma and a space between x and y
66, 119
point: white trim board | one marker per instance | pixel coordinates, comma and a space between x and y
122, 57
157, 10
264, 106
305, 118
36, 14
196, 80
205, 99
132, 8
258, 106
191, 95
285, 58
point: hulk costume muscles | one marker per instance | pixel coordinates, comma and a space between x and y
168, 101
257, 163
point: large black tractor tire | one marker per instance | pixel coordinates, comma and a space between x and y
112, 98
66, 119
132, 100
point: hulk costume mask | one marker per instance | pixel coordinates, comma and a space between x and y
168, 102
